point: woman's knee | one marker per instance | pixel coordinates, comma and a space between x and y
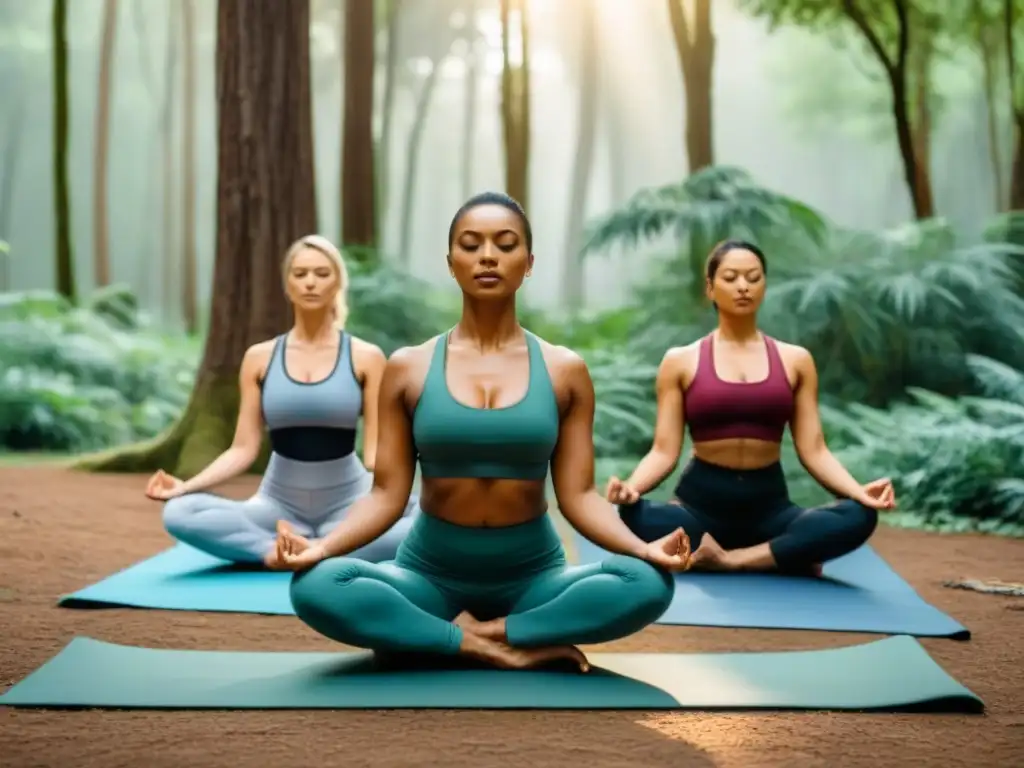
858, 521
325, 591
178, 513
650, 589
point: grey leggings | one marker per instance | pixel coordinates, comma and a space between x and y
312, 497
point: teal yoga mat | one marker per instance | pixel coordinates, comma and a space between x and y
184, 579
858, 593
891, 674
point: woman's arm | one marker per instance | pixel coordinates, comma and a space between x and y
375, 513
663, 457
245, 446
809, 438
572, 471
369, 362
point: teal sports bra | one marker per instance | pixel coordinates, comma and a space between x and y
454, 440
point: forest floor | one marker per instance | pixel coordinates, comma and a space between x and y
61, 530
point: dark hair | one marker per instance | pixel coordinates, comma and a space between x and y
719, 251
492, 198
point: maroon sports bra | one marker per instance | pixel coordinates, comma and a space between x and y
718, 410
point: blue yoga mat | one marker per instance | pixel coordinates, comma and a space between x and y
858, 593
184, 579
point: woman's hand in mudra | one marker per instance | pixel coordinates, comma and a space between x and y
670, 552
293, 552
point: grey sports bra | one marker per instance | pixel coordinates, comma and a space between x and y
313, 421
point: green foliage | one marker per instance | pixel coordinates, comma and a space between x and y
116, 304
392, 309
711, 205
74, 379
879, 311
956, 461
624, 409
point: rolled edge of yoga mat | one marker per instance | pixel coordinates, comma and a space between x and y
893, 674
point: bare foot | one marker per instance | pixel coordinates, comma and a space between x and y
492, 630
505, 656
710, 556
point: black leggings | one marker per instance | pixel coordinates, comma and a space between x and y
743, 508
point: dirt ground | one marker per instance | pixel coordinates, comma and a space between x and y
61, 530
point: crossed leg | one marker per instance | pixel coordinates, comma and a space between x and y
385, 607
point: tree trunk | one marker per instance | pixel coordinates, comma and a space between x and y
11, 153
100, 221
988, 55
515, 100
65, 259
918, 184
168, 229
696, 52
265, 200
412, 155
471, 84
573, 272
922, 123
358, 181
1016, 201
189, 311
388, 107
148, 242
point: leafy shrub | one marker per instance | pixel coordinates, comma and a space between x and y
74, 379
957, 462
392, 309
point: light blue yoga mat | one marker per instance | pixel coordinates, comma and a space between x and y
184, 579
858, 593
891, 674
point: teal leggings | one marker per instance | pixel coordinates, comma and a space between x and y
441, 569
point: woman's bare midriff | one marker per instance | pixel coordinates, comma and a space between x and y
484, 502
738, 453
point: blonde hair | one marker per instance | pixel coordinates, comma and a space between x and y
328, 249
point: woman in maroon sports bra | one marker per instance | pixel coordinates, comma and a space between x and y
737, 389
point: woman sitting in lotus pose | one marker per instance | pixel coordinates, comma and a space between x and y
737, 389
309, 387
484, 408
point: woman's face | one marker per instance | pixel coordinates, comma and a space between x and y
488, 256
739, 283
312, 282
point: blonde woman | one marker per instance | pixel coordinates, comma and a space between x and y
308, 387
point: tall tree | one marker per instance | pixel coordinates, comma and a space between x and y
440, 37
695, 46
471, 85
573, 272
265, 200
515, 97
101, 171
1013, 31
65, 265
10, 153
888, 28
168, 224
358, 180
393, 15
188, 160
